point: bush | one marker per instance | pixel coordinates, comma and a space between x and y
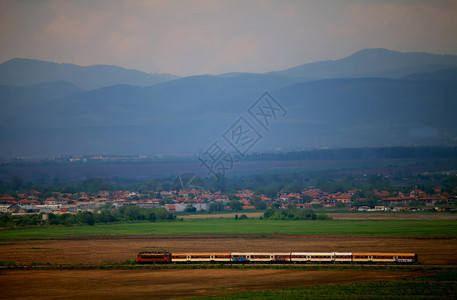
293, 214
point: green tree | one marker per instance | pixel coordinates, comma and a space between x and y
268, 213
190, 208
306, 199
216, 206
16, 183
133, 212
260, 205
235, 205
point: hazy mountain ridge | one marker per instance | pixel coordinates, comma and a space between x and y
45, 91
373, 63
22, 72
188, 114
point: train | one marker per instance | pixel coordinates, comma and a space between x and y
164, 257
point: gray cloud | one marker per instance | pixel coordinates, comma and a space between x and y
196, 37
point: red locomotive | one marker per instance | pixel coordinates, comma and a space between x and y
159, 257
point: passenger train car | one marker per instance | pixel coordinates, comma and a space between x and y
269, 257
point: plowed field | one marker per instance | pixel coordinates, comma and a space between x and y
166, 284
118, 249
177, 283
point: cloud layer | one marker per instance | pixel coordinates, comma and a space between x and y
204, 36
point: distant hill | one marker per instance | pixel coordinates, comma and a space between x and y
373, 63
21, 72
440, 75
38, 92
373, 112
187, 115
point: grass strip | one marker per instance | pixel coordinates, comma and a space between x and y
250, 226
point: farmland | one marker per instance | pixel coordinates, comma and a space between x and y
250, 226
172, 284
74, 258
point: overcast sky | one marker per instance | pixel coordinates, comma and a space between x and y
198, 37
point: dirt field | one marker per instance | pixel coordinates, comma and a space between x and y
118, 249
178, 283
166, 284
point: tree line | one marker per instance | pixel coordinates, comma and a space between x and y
293, 214
108, 214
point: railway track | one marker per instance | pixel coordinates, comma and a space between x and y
331, 266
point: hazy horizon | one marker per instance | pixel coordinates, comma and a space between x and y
215, 37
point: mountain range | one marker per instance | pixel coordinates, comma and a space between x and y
375, 97
21, 72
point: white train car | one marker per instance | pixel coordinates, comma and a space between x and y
383, 257
200, 257
343, 257
259, 257
362, 257
281, 257
319, 257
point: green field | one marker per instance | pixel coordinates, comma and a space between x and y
442, 285
250, 226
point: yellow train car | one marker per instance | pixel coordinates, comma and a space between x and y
201, 257
384, 257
